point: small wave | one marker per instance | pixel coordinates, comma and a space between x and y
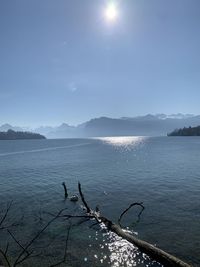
42, 149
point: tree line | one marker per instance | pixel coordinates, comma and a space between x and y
13, 135
190, 131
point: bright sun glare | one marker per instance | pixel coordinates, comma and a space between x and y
111, 12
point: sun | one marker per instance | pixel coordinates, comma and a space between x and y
111, 12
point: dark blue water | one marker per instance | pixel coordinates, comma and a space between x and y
163, 173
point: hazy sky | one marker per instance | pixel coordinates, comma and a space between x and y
63, 61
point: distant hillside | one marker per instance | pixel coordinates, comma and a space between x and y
5, 127
190, 131
145, 125
148, 125
12, 135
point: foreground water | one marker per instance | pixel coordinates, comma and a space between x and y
163, 173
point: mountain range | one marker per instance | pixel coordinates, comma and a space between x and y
148, 125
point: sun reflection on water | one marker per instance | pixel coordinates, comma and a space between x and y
122, 253
126, 142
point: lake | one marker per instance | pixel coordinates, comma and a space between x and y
161, 172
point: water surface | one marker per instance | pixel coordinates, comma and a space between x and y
161, 172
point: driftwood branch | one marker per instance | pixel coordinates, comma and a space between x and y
155, 253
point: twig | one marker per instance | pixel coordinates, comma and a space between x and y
5, 257
126, 210
6, 250
13, 237
6, 213
65, 250
14, 224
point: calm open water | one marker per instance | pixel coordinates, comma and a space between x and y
162, 172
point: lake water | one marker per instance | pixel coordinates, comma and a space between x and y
161, 172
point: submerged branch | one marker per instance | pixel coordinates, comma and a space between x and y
21, 258
18, 243
5, 214
4, 254
65, 250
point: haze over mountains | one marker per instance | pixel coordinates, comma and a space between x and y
148, 125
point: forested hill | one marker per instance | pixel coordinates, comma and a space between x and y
190, 131
12, 135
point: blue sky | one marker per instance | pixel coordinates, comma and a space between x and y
62, 61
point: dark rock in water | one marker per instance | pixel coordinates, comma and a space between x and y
74, 198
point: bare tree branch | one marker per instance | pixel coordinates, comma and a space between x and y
126, 210
6, 213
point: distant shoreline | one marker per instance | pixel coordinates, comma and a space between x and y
13, 135
190, 131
